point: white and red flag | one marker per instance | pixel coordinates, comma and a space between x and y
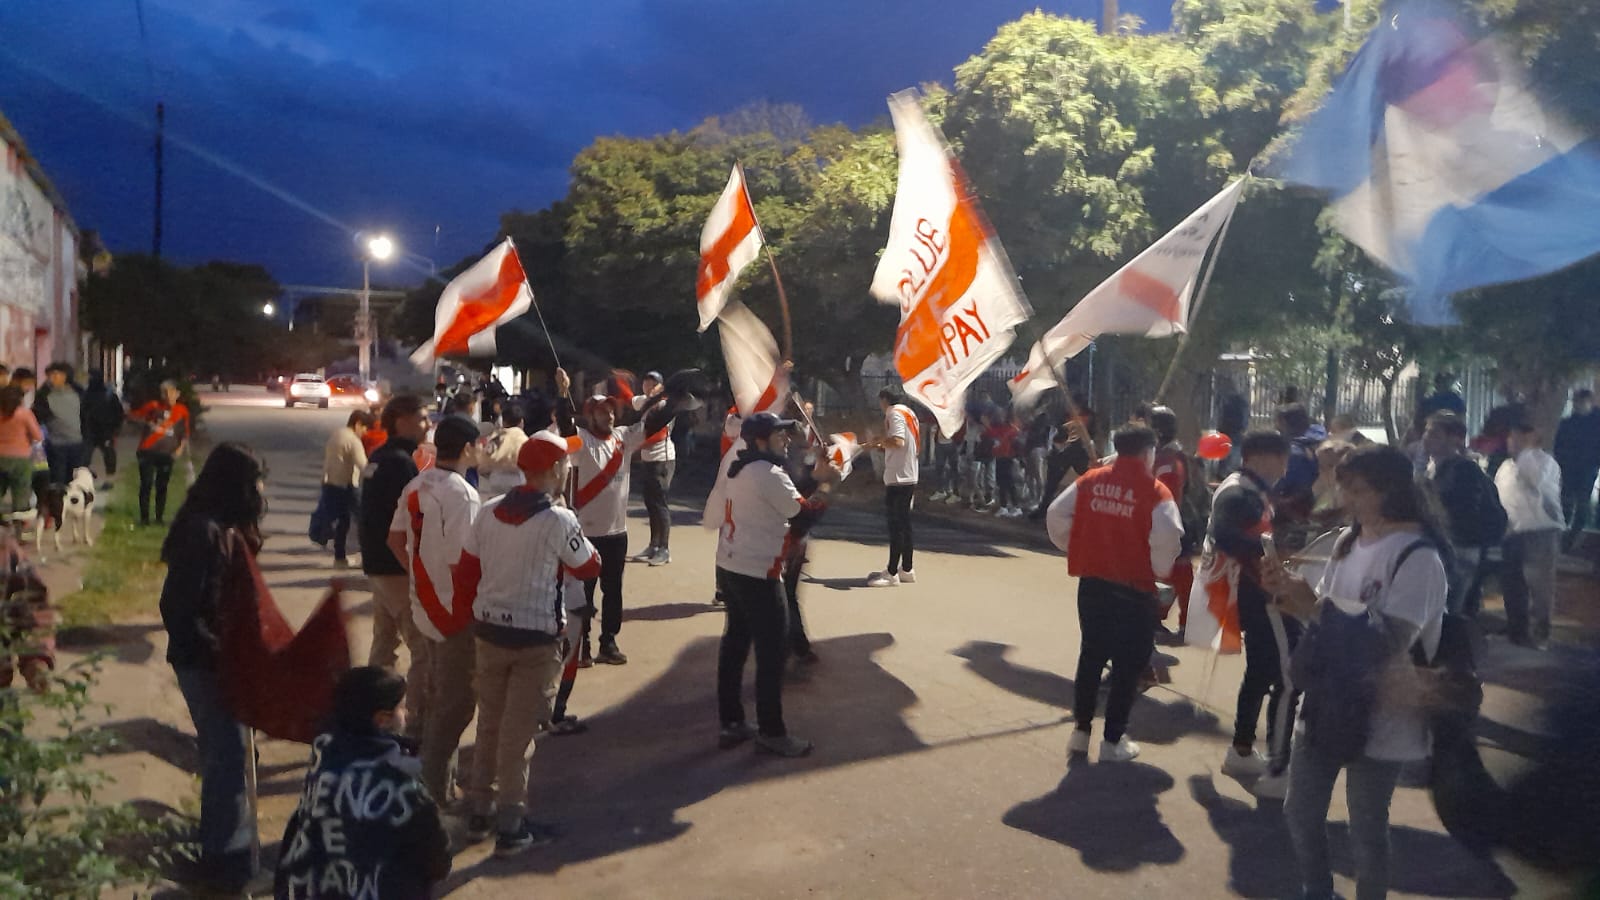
944, 267
730, 240
474, 304
843, 448
755, 371
1148, 296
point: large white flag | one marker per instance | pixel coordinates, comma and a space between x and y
1148, 296
476, 302
730, 240
944, 267
755, 371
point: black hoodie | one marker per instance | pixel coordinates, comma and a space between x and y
365, 826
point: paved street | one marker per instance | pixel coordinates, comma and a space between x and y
938, 710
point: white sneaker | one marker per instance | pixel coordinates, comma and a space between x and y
1244, 765
1016, 512
1272, 787
882, 579
1122, 751
1079, 742
935, 496
907, 577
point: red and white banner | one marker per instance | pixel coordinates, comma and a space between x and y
1148, 296
944, 267
476, 302
843, 448
755, 371
730, 240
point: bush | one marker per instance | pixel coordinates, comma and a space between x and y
56, 839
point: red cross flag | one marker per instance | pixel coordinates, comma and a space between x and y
730, 240
475, 303
945, 269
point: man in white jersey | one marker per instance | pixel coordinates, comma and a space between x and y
901, 445
434, 513
657, 460
513, 571
601, 496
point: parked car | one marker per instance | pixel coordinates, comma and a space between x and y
307, 387
348, 385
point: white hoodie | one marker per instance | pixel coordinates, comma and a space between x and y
1530, 491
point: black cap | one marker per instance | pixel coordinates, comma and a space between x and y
762, 425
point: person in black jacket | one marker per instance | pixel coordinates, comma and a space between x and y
225, 497
389, 469
1473, 513
103, 415
1072, 453
365, 826
1577, 451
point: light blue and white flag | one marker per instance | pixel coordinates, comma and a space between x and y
1445, 167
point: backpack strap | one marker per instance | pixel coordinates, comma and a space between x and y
1405, 554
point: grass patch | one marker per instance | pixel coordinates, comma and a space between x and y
123, 578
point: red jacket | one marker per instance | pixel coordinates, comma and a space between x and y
1119, 524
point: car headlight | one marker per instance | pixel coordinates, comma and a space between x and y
371, 394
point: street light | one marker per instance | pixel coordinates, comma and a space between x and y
378, 247
268, 310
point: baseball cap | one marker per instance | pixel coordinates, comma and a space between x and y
763, 424
544, 449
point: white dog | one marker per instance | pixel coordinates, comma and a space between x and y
78, 505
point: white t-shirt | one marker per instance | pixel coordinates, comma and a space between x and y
447, 506
757, 505
1417, 597
522, 584
658, 446
900, 463
606, 511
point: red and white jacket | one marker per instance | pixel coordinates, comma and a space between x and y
1117, 523
657, 447
601, 497
436, 510
756, 506
514, 567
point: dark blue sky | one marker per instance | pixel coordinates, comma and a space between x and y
421, 117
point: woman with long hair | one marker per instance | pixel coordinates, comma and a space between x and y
1381, 595
19, 431
225, 497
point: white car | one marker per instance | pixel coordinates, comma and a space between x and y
307, 387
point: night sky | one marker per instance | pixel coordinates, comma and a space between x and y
423, 118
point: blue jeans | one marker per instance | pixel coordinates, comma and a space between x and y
227, 823
64, 458
340, 503
1369, 786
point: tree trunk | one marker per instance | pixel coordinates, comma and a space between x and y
1388, 408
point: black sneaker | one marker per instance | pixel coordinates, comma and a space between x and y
735, 733
585, 658
661, 557
479, 828
783, 746
610, 655
643, 555
526, 837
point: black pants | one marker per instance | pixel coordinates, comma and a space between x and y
1005, 481
897, 497
1263, 676
656, 482
1576, 507
613, 550
108, 452
64, 458
155, 469
799, 644
1118, 625
757, 615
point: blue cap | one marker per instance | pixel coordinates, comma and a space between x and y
762, 425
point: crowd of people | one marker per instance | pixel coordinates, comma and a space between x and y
494, 548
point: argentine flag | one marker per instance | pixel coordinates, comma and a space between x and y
1444, 167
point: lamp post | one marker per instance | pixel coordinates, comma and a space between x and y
379, 247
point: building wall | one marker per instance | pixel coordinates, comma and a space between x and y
39, 270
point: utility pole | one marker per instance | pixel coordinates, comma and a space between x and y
161, 129
1108, 16
363, 318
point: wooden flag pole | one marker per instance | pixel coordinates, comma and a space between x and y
536, 310
783, 298
1194, 313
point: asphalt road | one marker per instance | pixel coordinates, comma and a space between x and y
939, 712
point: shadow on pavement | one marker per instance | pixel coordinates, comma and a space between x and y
621, 786
1151, 721
1107, 812
171, 745
666, 612
129, 643
1261, 859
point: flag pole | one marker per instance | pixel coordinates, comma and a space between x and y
783, 298
1199, 299
536, 310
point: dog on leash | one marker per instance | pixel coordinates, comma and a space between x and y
77, 507
49, 502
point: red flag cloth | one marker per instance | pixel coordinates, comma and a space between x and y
274, 679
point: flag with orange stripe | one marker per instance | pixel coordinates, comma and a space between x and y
755, 372
1149, 296
730, 240
959, 300
474, 304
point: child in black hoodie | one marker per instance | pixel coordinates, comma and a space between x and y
365, 826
